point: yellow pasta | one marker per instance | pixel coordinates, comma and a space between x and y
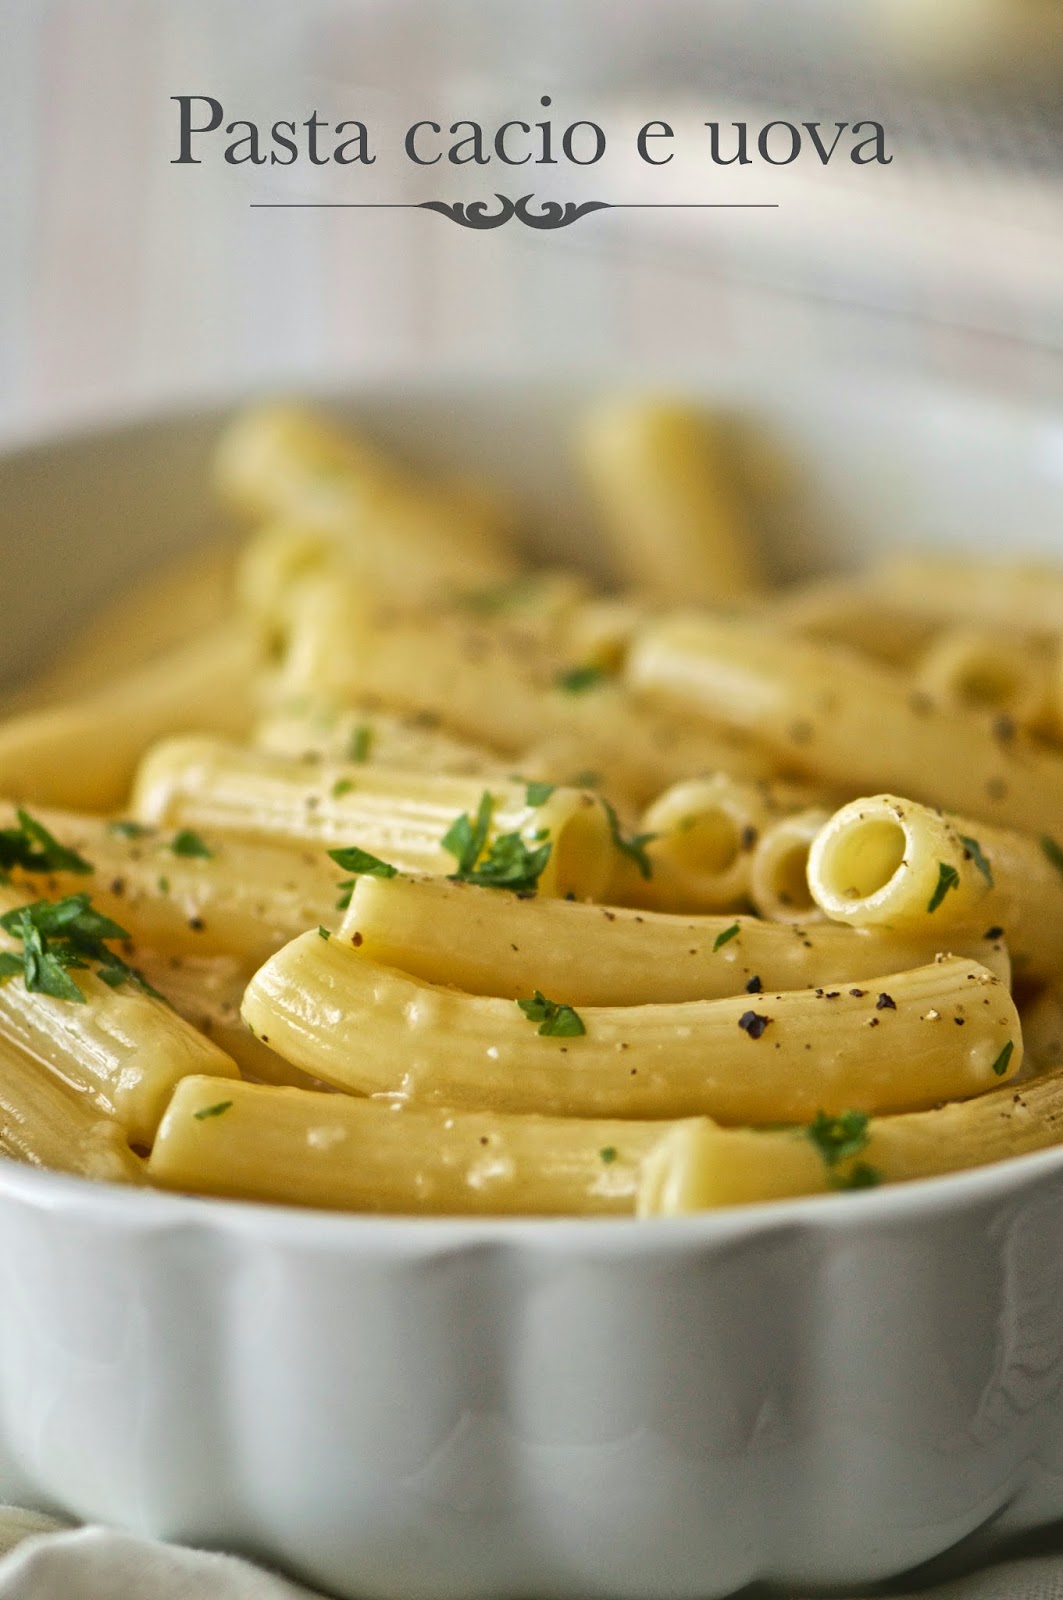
119, 1048
335, 1151
842, 720
400, 817
778, 868
701, 1166
670, 513
83, 754
413, 742
884, 861
982, 669
894, 1045
44, 1124
489, 942
188, 893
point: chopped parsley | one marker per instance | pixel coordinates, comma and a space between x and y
31, 847
341, 787
725, 938
839, 1139
361, 742
1053, 851
60, 936
353, 859
537, 794
974, 853
497, 598
188, 843
1001, 1064
164, 885
556, 1020
609, 1154
577, 680
635, 847
212, 1111
129, 830
510, 863
588, 779
948, 878
323, 933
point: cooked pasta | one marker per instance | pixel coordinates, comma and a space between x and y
358, 864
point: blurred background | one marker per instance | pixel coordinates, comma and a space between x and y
126, 280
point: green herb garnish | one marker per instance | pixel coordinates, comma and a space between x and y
129, 830
635, 847
188, 843
353, 859
609, 1154
725, 937
341, 787
510, 863
361, 743
323, 933
63, 935
31, 847
212, 1111
537, 794
1053, 851
577, 680
839, 1138
974, 851
558, 1021
1000, 1065
948, 878
860, 1176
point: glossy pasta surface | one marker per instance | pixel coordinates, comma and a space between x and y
403, 877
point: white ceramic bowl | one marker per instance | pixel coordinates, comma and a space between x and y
821, 1392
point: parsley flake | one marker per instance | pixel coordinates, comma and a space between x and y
948, 878
609, 1154
59, 936
974, 853
725, 937
212, 1111
1001, 1064
860, 1176
31, 847
537, 794
839, 1138
577, 680
353, 859
129, 830
1053, 851
323, 933
361, 743
341, 787
635, 847
188, 843
509, 863
556, 1020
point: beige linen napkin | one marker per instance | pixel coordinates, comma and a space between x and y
44, 1559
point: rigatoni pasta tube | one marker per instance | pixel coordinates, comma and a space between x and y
45, 1125
489, 942
83, 755
848, 611
846, 721
510, 695
286, 461
887, 862
1025, 597
372, 1029
189, 893
778, 869
120, 1049
401, 817
208, 992
979, 669
332, 1150
702, 835
668, 504
411, 741
701, 1166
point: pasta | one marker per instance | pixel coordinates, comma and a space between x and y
357, 864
